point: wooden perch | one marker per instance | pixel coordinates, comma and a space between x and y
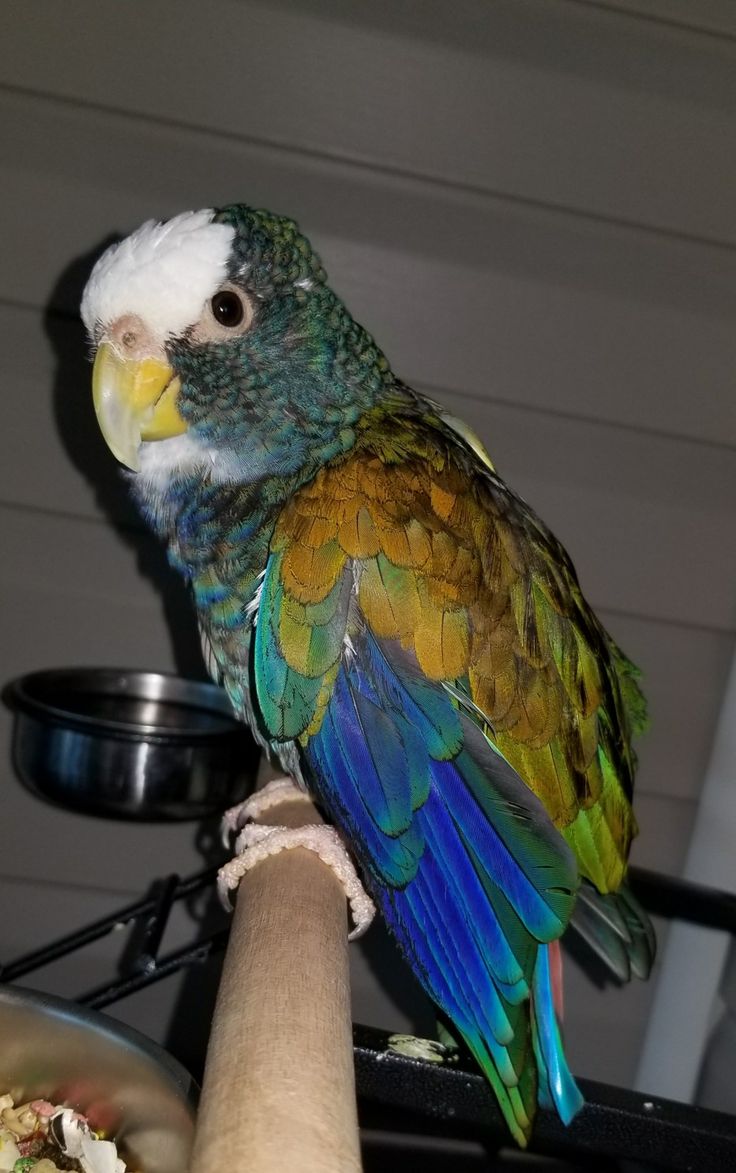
279, 1083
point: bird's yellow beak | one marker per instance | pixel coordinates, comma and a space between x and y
135, 400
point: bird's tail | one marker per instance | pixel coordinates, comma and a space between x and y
616, 927
557, 1088
546, 1080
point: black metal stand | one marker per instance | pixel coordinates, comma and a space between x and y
615, 1124
402, 1095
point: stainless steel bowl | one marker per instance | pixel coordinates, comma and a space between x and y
55, 1050
136, 745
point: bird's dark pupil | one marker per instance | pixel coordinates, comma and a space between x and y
227, 309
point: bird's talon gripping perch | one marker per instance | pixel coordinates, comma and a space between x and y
256, 842
275, 792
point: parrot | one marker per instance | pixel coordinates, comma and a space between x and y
397, 627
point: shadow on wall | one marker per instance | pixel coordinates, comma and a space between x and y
83, 443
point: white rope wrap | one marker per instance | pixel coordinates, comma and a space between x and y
256, 842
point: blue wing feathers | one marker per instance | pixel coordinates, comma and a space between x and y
480, 1022
467, 964
424, 706
446, 850
392, 859
382, 775
470, 874
507, 870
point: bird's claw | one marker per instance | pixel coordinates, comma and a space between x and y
275, 792
256, 842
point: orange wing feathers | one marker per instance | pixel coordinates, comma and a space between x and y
459, 570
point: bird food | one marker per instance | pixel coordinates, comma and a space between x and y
49, 1138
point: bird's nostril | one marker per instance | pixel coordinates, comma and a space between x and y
129, 339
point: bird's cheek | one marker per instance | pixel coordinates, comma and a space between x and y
135, 400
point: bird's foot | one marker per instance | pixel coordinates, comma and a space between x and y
429, 1050
275, 792
257, 841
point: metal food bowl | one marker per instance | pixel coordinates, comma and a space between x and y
126, 1085
127, 744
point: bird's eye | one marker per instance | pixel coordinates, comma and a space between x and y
227, 308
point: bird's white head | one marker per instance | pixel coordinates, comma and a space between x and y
143, 292
163, 273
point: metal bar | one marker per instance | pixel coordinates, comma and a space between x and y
189, 955
678, 899
453, 1098
100, 928
144, 942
